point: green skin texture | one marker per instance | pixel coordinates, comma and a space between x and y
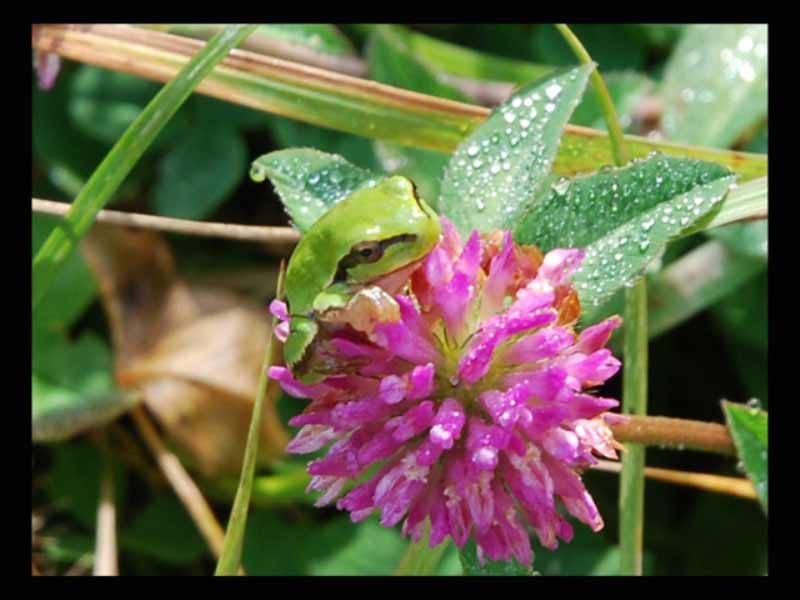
388, 210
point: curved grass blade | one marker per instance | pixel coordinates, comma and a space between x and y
341, 102
497, 171
310, 182
124, 155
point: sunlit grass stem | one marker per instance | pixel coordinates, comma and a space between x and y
231, 557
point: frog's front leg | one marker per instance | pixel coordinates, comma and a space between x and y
307, 351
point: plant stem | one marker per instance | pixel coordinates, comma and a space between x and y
123, 157
675, 433
243, 233
634, 402
707, 482
105, 548
231, 557
615, 134
634, 392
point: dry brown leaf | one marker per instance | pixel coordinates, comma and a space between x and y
194, 351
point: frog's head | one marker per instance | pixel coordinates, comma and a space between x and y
386, 228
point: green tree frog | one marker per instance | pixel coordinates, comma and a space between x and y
365, 239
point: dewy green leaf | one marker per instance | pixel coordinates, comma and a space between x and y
748, 427
495, 173
310, 182
199, 173
472, 566
575, 213
619, 257
623, 217
715, 85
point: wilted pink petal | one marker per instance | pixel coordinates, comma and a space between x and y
311, 438
475, 400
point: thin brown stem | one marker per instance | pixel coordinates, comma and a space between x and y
180, 480
243, 233
675, 433
718, 484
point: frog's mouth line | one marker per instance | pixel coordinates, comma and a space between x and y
393, 282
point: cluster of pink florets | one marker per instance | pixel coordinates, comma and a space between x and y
472, 401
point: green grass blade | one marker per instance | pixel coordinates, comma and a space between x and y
634, 402
346, 103
231, 557
123, 157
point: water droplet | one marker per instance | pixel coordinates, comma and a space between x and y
524, 123
509, 117
561, 186
553, 91
473, 150
258, 172
550, 107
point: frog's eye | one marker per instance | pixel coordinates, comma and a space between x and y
367, 252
